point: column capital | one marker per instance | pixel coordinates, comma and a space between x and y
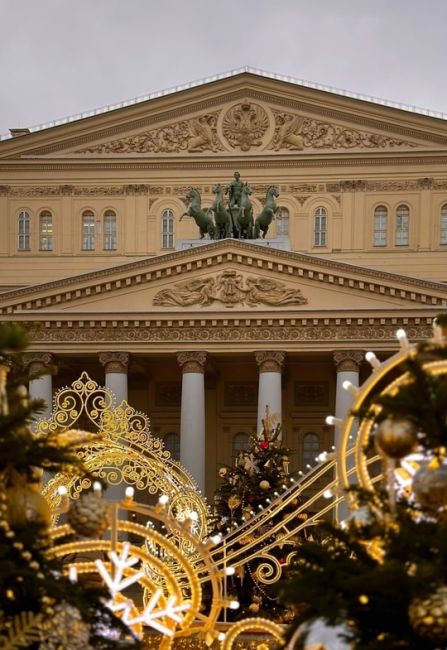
192, 361
114, 361
348, 360
36, 361
270, 361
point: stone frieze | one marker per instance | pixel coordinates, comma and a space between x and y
229, 288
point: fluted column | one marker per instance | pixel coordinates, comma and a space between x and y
347, 364
269, 392
115, 368
192, 424
42, 387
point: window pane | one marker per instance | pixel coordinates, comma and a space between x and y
402, 225
46, 231
311, 448
282, 222
110, 231
88, 231
24, 231
380, 225
241, 442
172, 444
167, 229
320, 227
443, 239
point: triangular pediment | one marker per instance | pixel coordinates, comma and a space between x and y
222, 278
243, 114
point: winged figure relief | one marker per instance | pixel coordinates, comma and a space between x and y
288, 132
203, 134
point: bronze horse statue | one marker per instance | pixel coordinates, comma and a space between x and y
222, 217
243, 215
264, 219
202, 219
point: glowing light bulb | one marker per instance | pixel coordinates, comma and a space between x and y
230, 571
373, 360
401, 336
332, 421
163, 500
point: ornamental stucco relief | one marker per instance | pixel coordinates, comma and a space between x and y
229, 288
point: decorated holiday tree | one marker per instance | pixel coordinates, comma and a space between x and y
257, 478
40, 607
379, 581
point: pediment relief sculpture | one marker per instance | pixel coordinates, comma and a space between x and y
229, 288
194, 135
295, 133
247, 126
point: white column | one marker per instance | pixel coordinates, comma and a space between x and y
192, 424
42, 387
115, 367
269, 391
347, 363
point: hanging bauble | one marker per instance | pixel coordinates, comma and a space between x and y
246, 514
264, 484
430, 486
65, 629
428, 616
396, 438
25, 506
254, 608
234, 501
264, 444
89, 515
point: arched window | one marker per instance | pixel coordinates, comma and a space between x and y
172, 444
320, 227
241, 442
402, 225
167, 229
380, 226
282, 222
311, 448
88, 231
24, 231
109, 230
443, 225
46, 231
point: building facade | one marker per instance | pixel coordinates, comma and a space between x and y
202, 335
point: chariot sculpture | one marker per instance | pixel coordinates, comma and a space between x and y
232, 216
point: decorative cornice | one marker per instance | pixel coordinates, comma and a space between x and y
348, 360
293, 265
114, 362
270, 360
192, 362
304, 333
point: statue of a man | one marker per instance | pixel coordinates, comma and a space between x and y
234, 190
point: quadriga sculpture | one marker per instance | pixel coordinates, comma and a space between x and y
202, 219
269, 210
243, 216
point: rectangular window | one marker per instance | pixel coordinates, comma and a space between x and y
46, 232
380, 229
109, 232
24, 232
88, 232
443, 233
320, 230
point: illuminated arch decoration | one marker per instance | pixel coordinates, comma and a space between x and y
252, 625
172, 606
119, 449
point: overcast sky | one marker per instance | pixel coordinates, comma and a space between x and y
62, 57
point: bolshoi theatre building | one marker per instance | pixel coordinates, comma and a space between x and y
98, 258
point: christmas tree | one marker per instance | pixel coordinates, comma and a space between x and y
380, 581
259, 475
40, 607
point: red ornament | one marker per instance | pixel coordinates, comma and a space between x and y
264, 444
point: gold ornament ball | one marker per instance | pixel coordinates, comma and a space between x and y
246, 514
430, 487
25, 506
254, 608
234, 501
89, 515
396, 438
428, 616
264, 485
